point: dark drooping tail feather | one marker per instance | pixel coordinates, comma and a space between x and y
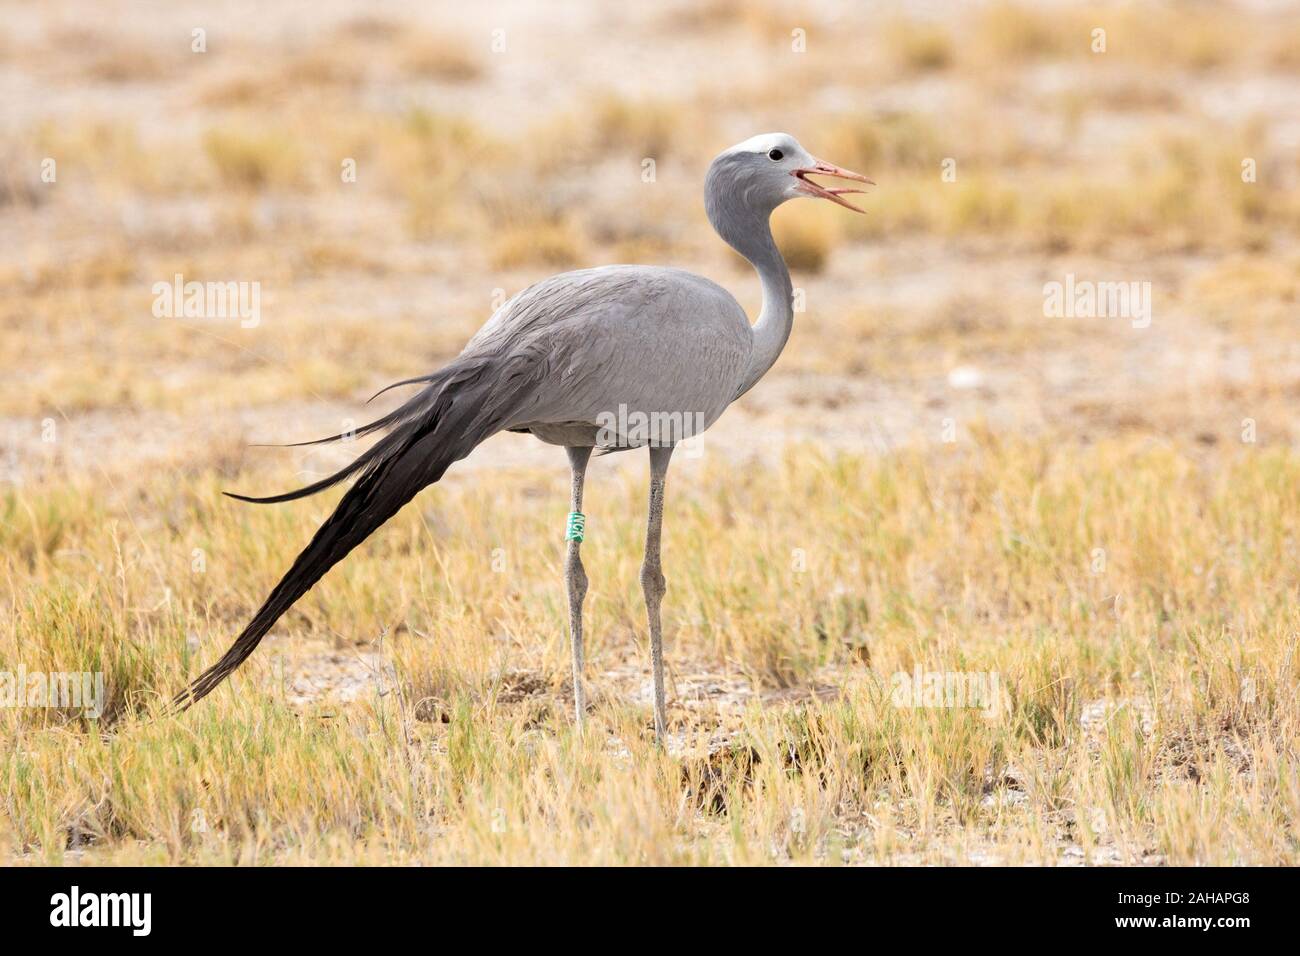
399, 414
464, 403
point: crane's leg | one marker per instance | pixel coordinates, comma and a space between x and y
575, 576
652, 578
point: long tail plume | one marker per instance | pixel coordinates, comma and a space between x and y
399, 414
463, 404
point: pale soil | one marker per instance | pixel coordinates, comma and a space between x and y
902, 339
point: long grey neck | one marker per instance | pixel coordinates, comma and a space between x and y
747, 230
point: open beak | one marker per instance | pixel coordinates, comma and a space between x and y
819, 168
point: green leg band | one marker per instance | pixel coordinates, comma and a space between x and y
576, 526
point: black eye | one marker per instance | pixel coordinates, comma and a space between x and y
775, 155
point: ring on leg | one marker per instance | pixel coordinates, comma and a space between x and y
575, 577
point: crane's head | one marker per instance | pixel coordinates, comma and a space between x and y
766, 170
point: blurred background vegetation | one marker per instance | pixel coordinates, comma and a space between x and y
499, 142
502, 144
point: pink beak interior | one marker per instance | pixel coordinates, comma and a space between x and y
820, 168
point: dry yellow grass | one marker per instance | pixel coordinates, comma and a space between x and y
640, 127
254, 159
807, 236
441, 57
919, 46
553, 244
1150, 709
415, 707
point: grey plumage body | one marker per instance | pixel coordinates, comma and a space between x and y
650, 339
563, 360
